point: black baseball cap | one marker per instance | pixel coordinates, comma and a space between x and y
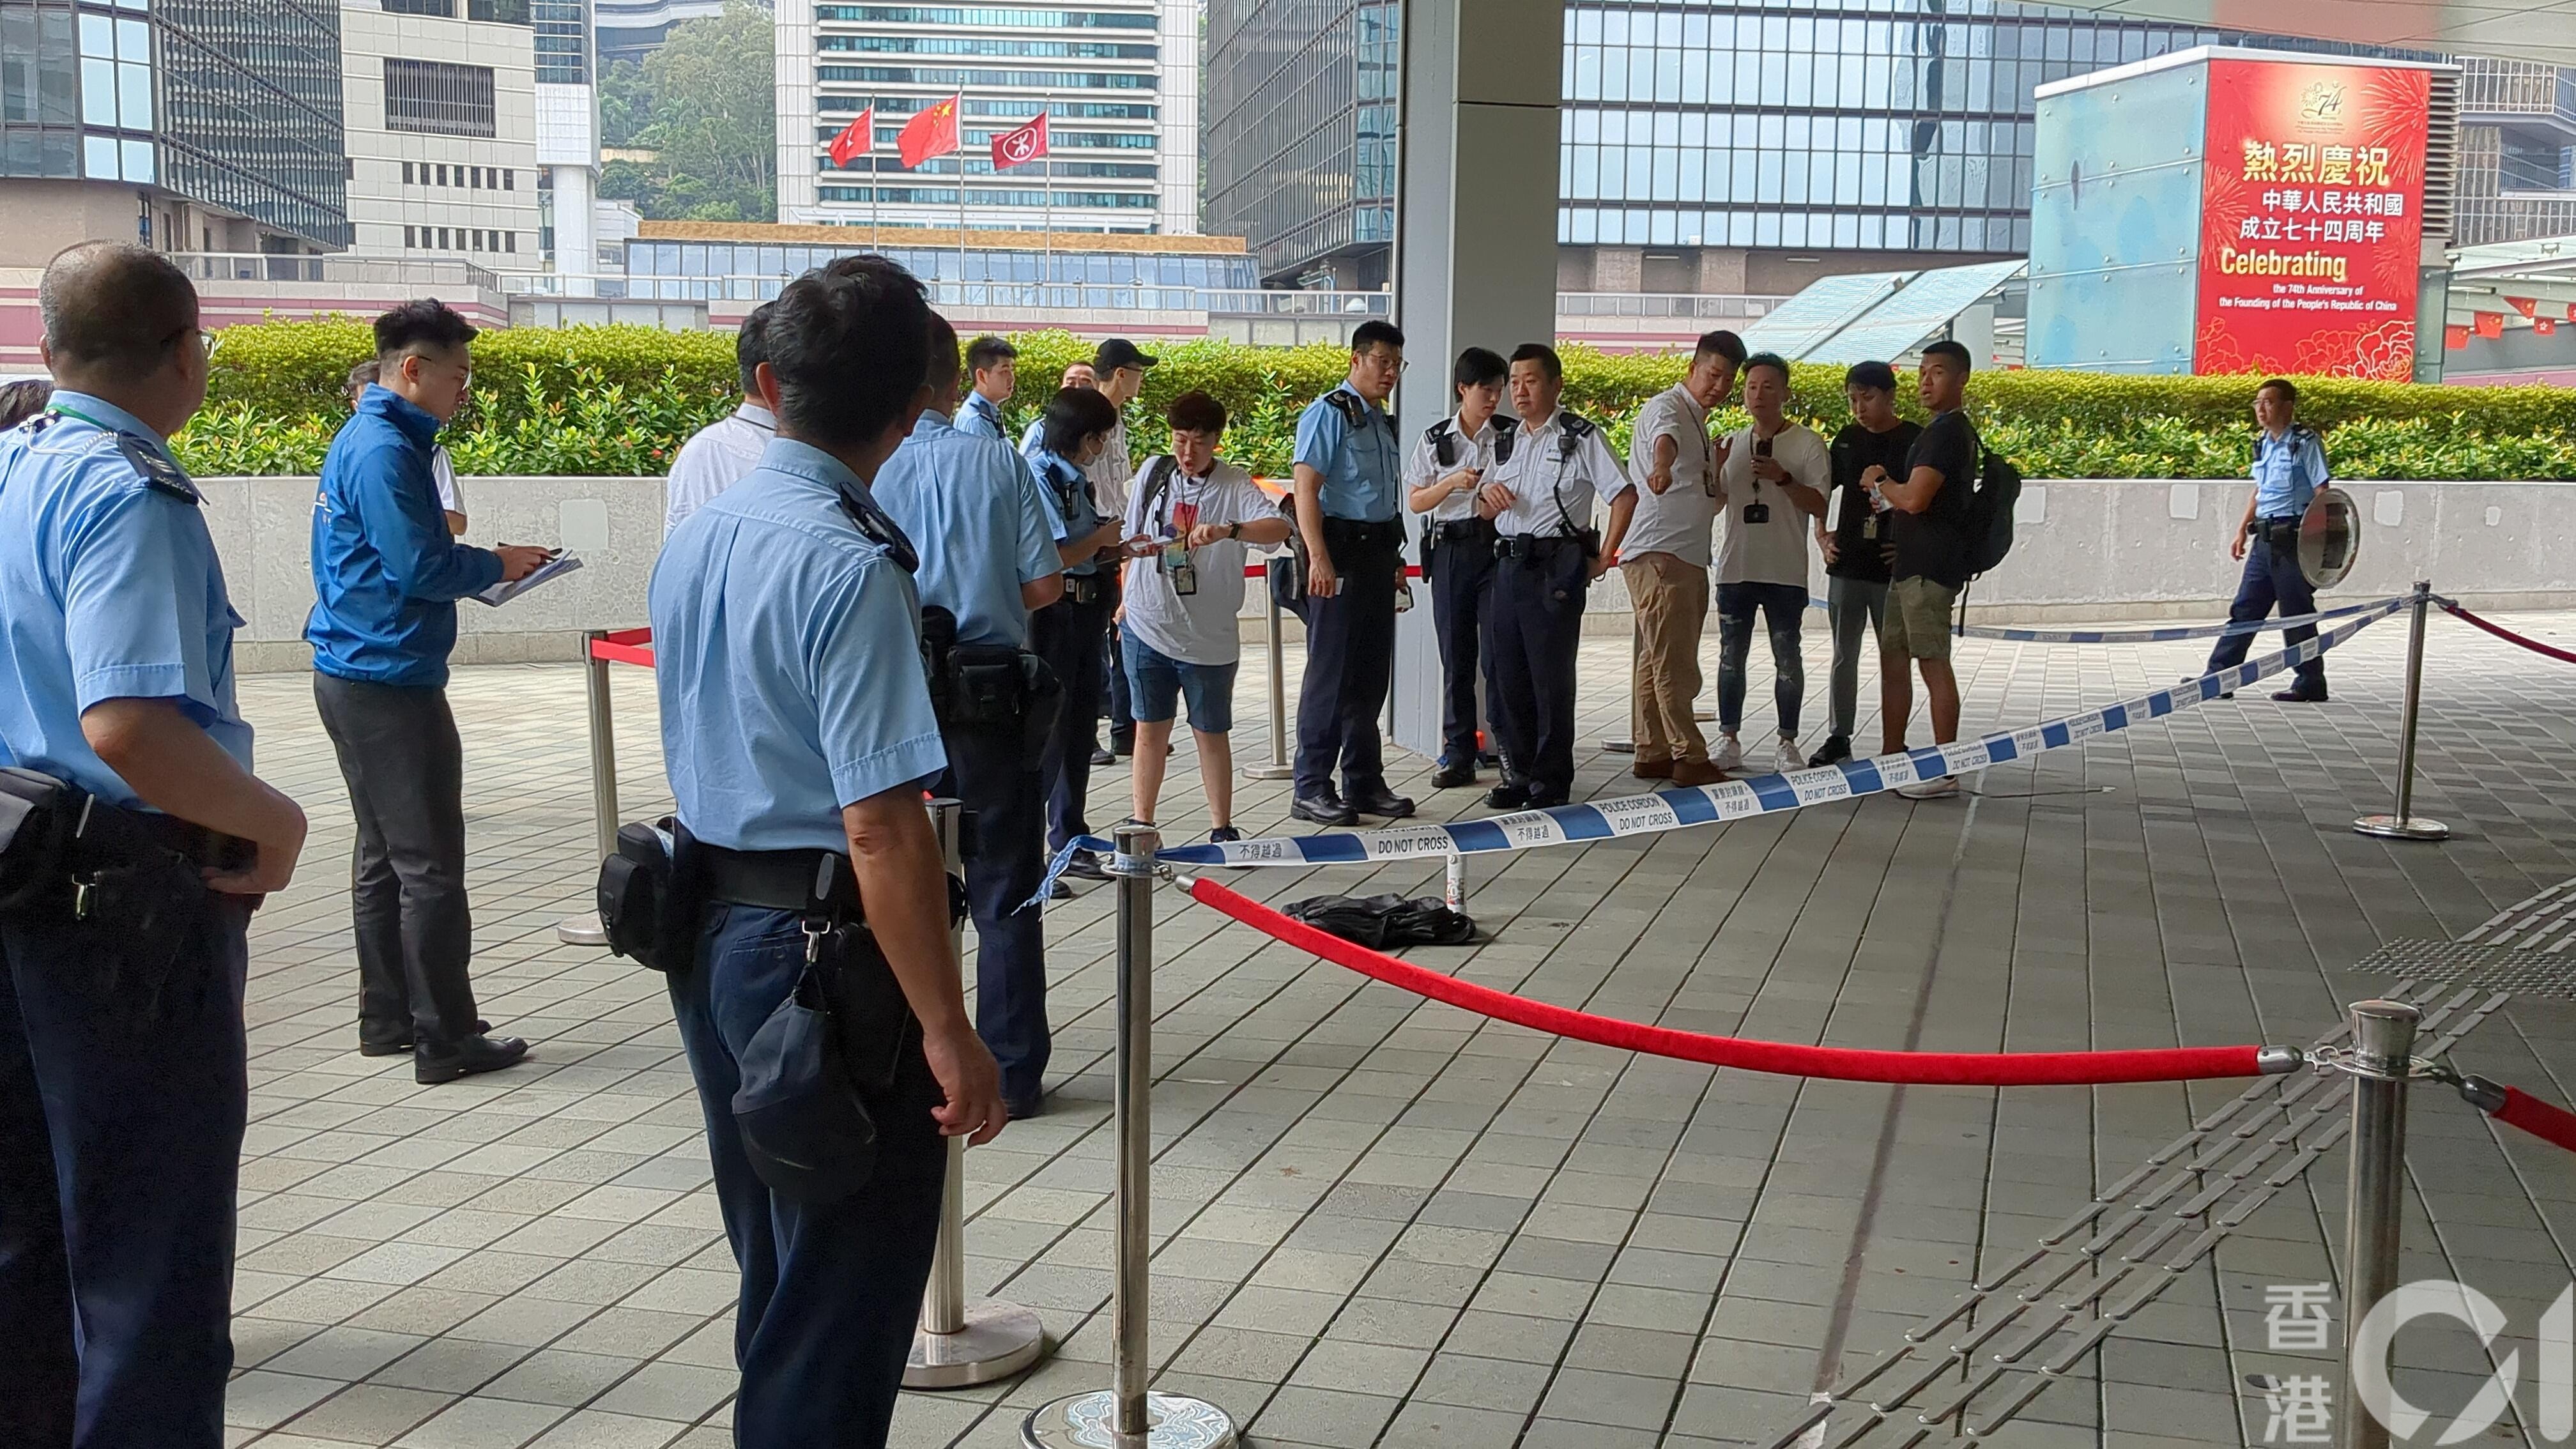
1875, 376
1118, 352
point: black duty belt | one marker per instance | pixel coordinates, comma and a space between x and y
199, 844
781, 880
1534, 545
1360, 530
1458, 530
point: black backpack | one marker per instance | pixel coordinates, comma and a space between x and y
1986, 525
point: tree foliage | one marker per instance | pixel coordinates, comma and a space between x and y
705, 101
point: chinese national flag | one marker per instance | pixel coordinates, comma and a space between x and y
2489, 325
2523, 305
856, 139
2455, 337
931, 133
2571, 311
1028, 143
2544, 326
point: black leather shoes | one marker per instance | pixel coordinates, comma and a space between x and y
1102, 759
2301, 696
401, 1046
1545, 799
1325, 808
1511, 794
1451, 777
1085, 865
1381, 802
475, 1054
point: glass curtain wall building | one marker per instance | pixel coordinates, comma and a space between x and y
209, 123
1117, 79
1722, 146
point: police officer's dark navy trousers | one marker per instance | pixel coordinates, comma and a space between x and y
123, 1093
1534, 626
990, 772
2271, 578
1072, 638
1461, 568
1350, 657
830, 1294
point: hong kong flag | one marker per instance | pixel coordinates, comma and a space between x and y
1028, 143
2544, 326
856, 139
931, 133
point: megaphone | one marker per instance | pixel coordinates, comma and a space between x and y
2329, 538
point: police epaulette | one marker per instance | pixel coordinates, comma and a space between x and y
156, 469
1353, 411
1573, 425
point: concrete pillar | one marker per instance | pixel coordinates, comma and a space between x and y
576, 255
1475, 264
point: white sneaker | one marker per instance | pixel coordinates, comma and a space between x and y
1729, 755
1791, 757
1930, 789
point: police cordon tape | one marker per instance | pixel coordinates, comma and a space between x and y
2164, 635
1679, 808
1848, 1064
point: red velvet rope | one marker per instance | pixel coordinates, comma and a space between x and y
1965, 1069
618, 647
2548, 1123
2507, 635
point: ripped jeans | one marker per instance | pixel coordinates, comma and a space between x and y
1782, 607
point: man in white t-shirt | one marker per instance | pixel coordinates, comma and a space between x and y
1188, 523
442, 473
1771, 487
1665, 560
725, 451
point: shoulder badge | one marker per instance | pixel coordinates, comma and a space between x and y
880, 527
1353, 411
156, 469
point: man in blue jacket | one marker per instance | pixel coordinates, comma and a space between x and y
386, 578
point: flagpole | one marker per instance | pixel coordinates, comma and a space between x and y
961, 196
874, 184
1047, 192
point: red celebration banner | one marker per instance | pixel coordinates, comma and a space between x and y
2311, 219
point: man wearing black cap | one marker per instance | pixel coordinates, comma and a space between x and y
1860, 546
1121, 370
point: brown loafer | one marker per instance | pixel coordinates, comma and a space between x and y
1645, 769
1696, 772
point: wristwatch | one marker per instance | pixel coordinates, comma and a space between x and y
1234, 530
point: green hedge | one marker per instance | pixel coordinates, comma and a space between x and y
619, 400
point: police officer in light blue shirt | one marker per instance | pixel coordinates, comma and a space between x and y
992, 375
986, 533
1349, 473
798, 733
1071, 634
2289, 468
122, 1080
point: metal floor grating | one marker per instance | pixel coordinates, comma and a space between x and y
2009, 1338
2521, 972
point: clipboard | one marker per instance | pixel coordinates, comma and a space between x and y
546, 573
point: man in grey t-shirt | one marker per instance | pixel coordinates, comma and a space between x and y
1664, 558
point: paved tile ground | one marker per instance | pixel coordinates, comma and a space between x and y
1384, 1222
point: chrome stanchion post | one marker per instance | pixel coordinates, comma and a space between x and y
1278, 768
1454, 884
2383, 1045
961, 1343
585, 930
2405, 824
1125, 1415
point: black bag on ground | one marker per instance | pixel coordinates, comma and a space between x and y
1379, 922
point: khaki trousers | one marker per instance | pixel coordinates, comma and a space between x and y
1670, 596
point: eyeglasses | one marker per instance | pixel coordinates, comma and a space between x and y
208, 340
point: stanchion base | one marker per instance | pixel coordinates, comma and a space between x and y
1622, 746
581, 931
2411, 827
1090, 1421
998, 1340
1269, 772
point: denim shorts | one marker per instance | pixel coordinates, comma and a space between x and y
1157, 683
